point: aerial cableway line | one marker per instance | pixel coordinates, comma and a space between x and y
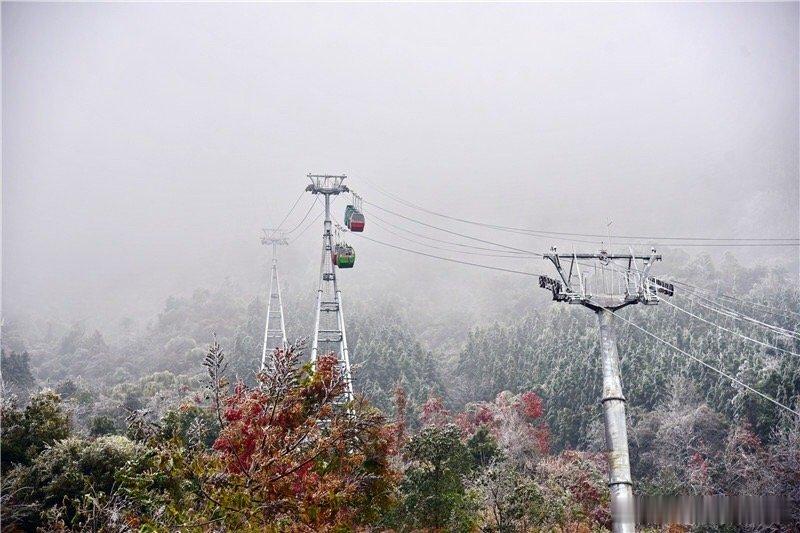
612, 287
702, 241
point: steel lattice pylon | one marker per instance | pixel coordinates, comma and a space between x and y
329, 326
274, 337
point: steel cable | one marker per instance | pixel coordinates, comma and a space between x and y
545, 233
452, 250
731, 313
453, 232
290, 210
715, 369
765, 308
480, 265
726, 329
316, 198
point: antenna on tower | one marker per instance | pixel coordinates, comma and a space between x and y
329, 326
274, 336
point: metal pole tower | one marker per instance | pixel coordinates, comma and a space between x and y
611, 282
273, 336
329, 327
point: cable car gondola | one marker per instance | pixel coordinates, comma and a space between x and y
356, 222
343, 256
353, 215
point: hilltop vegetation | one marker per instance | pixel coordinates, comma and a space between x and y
167, 425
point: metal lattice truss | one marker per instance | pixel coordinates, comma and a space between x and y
604, 280
274, 325
327, 184
329, 326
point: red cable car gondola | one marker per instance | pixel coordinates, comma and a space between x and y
354, 216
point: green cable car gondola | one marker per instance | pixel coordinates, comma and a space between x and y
344, 256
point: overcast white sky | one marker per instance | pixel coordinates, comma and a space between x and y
145, 145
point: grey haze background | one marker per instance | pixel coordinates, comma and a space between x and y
144, 146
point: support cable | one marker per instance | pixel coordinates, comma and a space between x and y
510, 255
715, 369
316, 198
316, 219
765, 308
732, 313
489, 267
290, 210
726, 329
545, 233
434, 239
519, 231
453, 232
718, 307
707, 293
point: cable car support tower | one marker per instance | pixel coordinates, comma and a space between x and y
611, 282
274, 336
329, 326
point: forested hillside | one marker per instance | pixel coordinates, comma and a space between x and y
165, 424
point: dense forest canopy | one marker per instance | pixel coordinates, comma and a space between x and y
474, 431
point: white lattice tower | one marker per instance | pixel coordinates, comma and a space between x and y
329, 325
274, 325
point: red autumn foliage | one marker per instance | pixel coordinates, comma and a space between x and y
530, 404
434, 413
292, 446
582, 475
400, 406
514, 422
542, 437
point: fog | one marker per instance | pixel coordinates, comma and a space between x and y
145, 146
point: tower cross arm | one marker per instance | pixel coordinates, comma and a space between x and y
636, 285
327, 184
645, 257
556, 260
274, 236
